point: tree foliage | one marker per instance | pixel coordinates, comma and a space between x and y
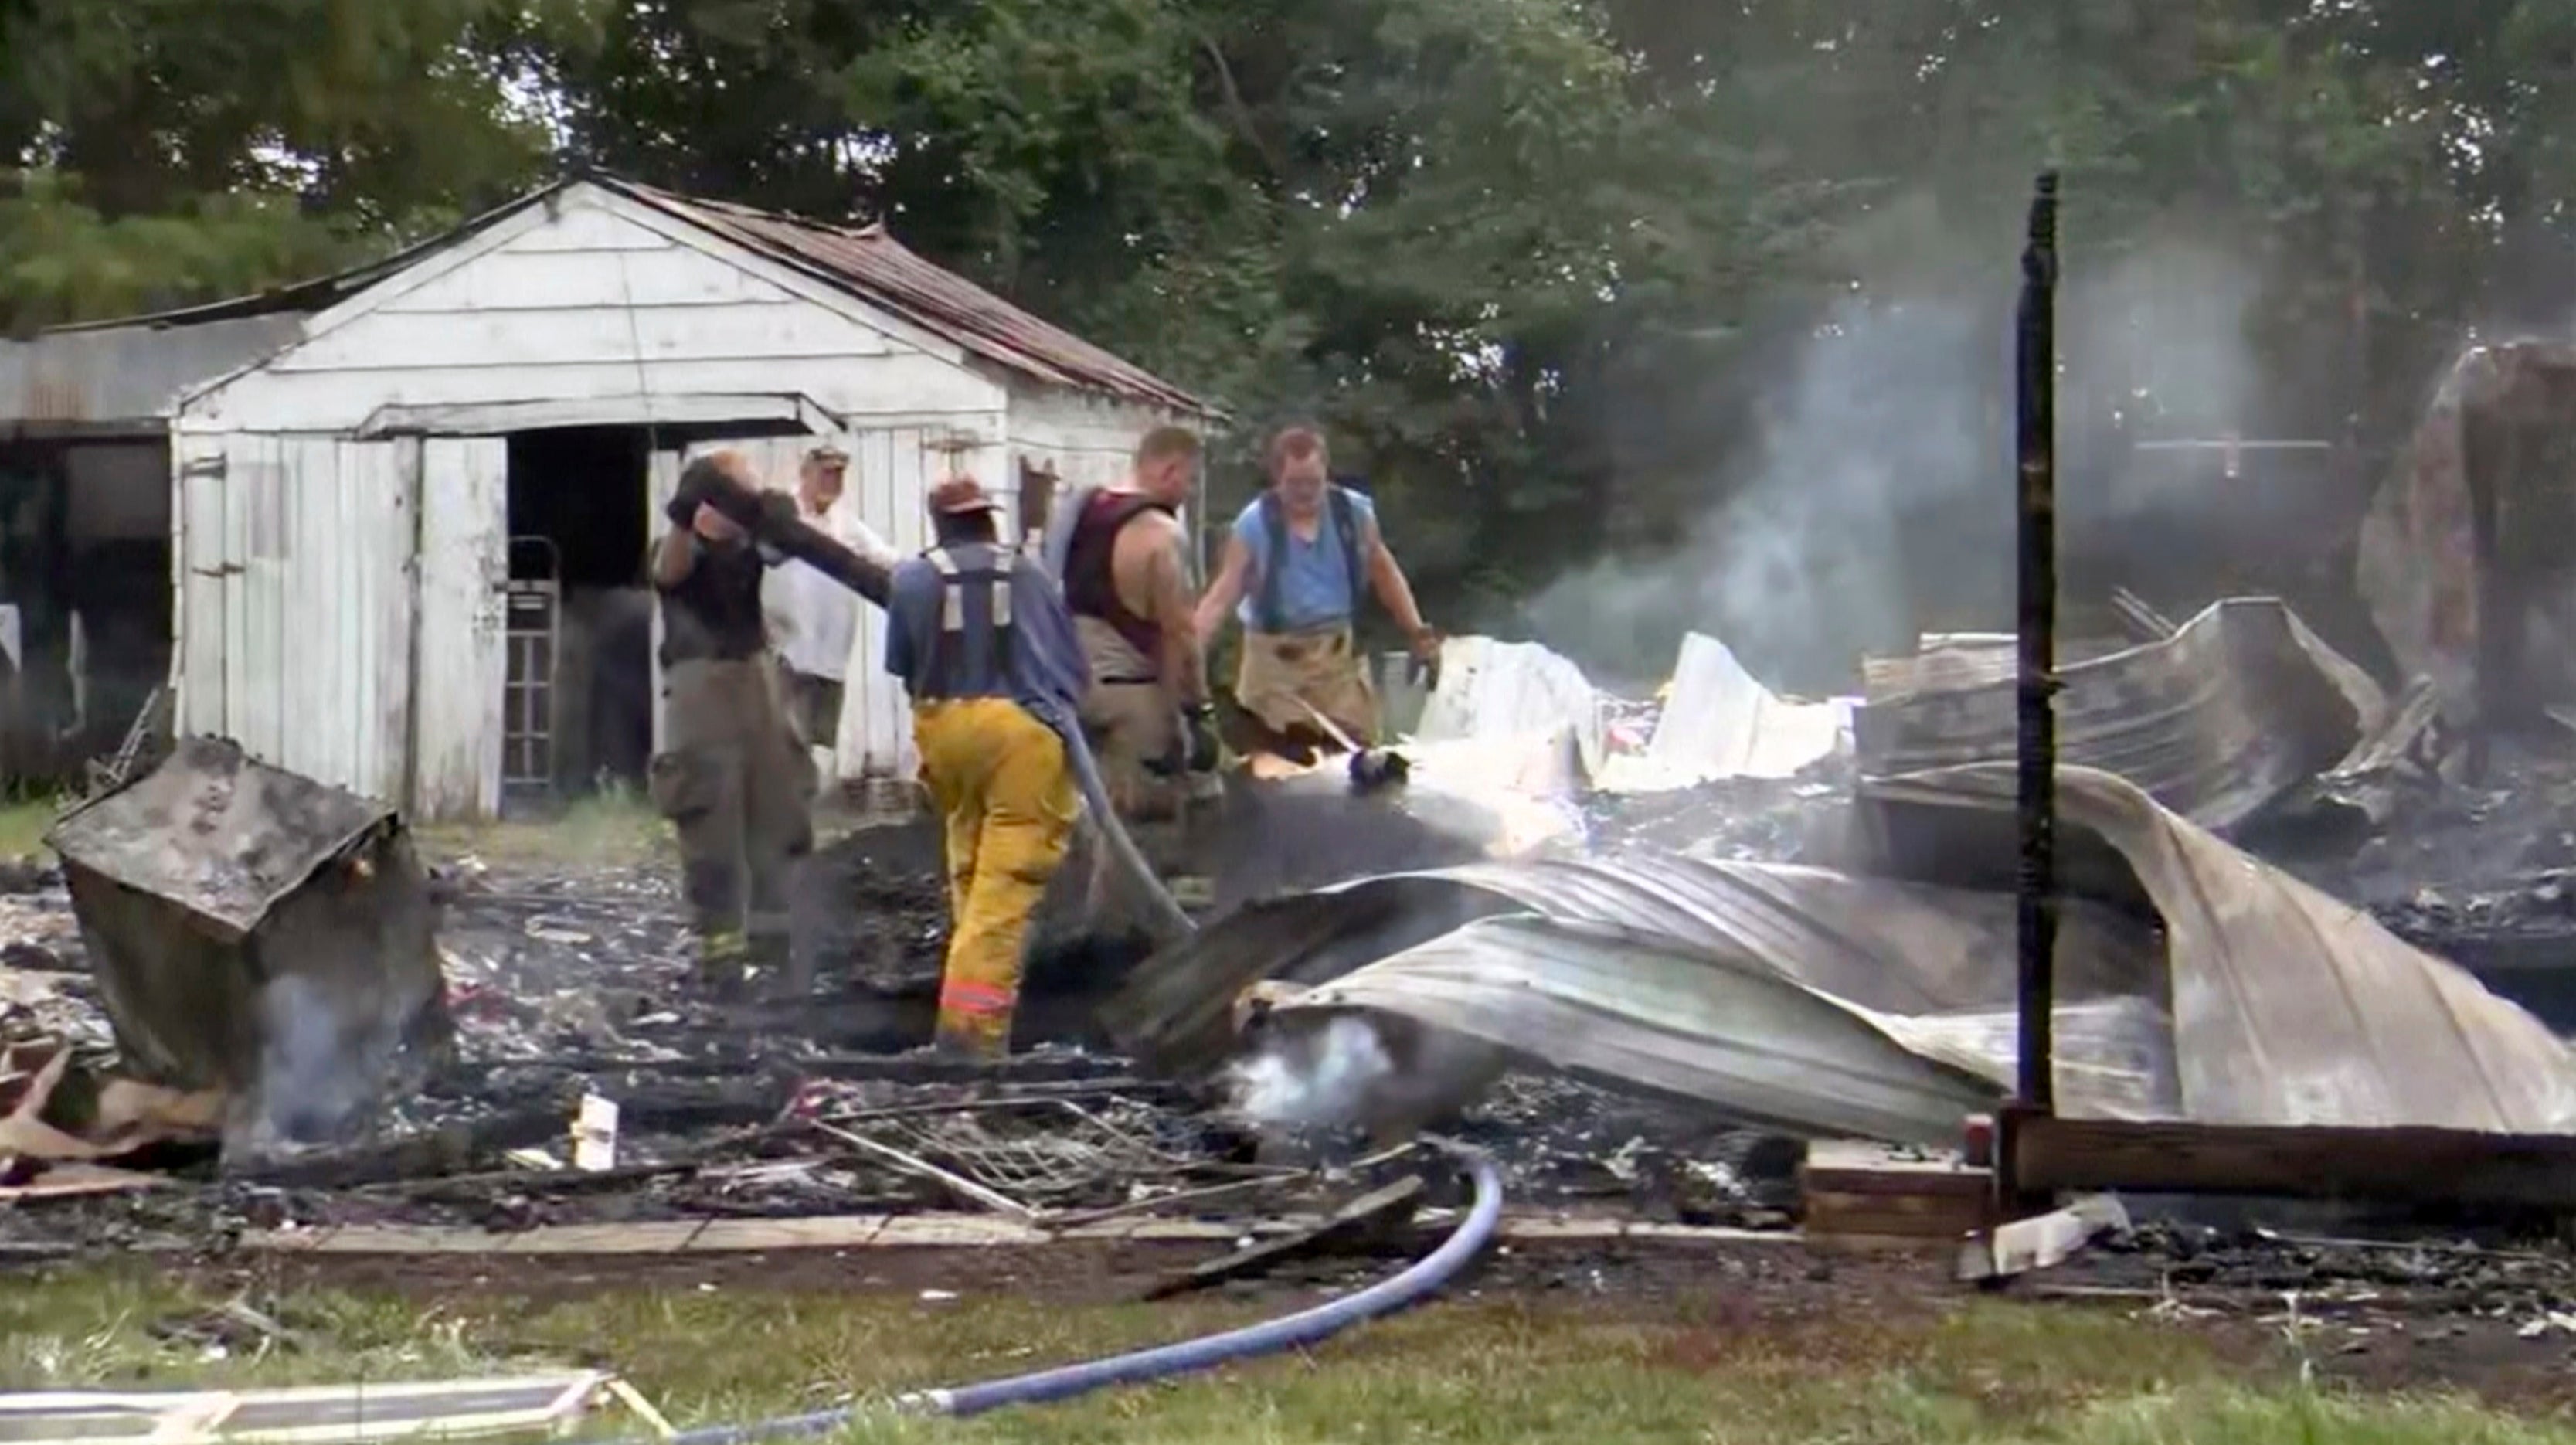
1530, 260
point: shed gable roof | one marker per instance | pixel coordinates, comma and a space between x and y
866, 263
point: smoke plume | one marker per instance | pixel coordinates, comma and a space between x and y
1870, 493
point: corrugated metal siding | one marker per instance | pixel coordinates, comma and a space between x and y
128, 374
295, 607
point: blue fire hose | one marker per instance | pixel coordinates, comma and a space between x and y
1288, 1332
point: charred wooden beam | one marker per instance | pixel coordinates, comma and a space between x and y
2036, 394
2043, 1154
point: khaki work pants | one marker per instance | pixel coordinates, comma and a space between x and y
1128, 724
1000, 781
738, 788
1285, 673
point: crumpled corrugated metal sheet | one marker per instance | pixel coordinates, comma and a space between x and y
1721, 722
2196, 982
1872, 942
1635, 1008
2418, 567
2289, 1006
2231, 714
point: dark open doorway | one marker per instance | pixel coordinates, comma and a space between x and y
84, 600
579, 710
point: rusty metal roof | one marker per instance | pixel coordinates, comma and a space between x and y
868, 262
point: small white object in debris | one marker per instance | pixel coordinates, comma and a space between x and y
934, 1296
594, 1135
533, 1159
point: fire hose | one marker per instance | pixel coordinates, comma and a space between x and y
773, 519
1288, 1332
872, 579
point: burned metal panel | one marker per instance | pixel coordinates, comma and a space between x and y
128, 375
2240, 707
2289, 1006
2421, 567
1870, 942
1645, 1011
2195, 982
1726, 1031
220, 834
259, 933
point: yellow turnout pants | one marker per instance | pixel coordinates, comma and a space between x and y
999, 778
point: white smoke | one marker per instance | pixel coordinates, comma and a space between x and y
1871, 494
1311, 1078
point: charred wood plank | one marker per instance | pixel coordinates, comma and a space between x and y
2042, 1154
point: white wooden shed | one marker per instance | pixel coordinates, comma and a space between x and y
343, 508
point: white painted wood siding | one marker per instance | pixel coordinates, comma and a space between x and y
598, 300
463, 566
295, 606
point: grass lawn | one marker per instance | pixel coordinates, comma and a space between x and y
23, 822
615, 828
1465, 1369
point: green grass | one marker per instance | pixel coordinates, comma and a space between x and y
615, 827
23, 822
1464, 1370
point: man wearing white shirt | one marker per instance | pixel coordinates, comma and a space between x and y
813, 620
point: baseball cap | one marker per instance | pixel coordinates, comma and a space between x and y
827, 453
956, 496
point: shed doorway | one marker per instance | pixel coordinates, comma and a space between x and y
577, 714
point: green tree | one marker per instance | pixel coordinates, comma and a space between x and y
168, 150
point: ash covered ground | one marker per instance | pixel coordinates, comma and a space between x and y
573, 980
565, 981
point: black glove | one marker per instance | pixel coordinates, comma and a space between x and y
773, 515
682, 509
1198, 732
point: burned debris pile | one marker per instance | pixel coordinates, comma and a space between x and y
1637, 949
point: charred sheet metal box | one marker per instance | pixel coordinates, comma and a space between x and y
258, 932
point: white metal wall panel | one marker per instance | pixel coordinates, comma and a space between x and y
295, 612
463, 659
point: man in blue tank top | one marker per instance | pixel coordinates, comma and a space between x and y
1295, 567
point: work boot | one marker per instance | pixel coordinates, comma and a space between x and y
770, 956
723, 959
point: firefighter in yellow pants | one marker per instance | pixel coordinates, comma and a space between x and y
979, 636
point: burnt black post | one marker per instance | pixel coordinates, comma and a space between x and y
2036, 395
